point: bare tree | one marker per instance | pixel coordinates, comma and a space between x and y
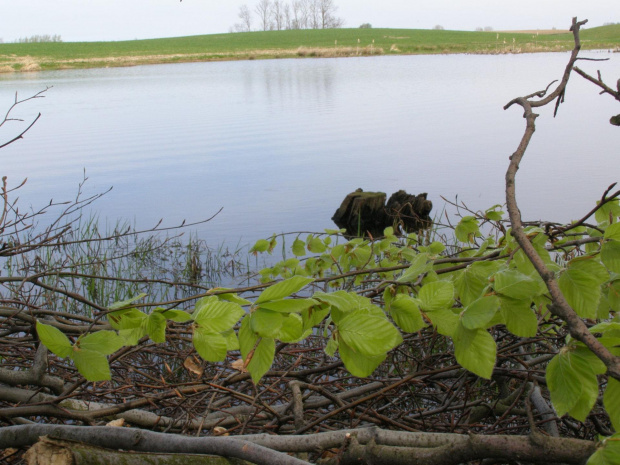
293, 14
313, 11
326, 10
277, 13
299, 14
246, 19
263, 10
287, 16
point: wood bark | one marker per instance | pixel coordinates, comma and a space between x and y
57, 452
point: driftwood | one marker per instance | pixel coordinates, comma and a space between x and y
366, 213
50, 451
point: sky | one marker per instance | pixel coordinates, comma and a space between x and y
90, 20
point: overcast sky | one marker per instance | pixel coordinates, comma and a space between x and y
84, 20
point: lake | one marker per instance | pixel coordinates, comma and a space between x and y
278, 144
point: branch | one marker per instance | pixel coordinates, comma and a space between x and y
560, 306
146, 441
21, 135
373, 444
599, 82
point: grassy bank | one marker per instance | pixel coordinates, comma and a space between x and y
288, 44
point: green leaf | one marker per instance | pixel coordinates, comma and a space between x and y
358, 364
588, 358
125, 319
608, 328
583, 406
478, 314
445, 320
266, 323
314, 316
156, 327
368, 334
518, 316
104, 342
582, 291
436, 248
216, 315
418, 266
611, 399
341, 300
514, 284
565, 387
613, 295
610, 255
233, 298
467, 230
316, 245
262, 358
54, 339
299, 248
608, 453
131, 336
178, 316
126, 303
292, 329
331, 347
494, 214
212, 347
592, 266
232, 342
289, 305
261, 245
92, 365
436, 295
405, 312
475, 350
247, 338
612, 232
608, 212
283, 289
569, 379
472, 282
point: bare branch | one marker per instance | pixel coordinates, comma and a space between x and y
560, 306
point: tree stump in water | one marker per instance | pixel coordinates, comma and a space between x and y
410, 212
366, 213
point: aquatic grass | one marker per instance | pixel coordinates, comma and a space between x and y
116, 263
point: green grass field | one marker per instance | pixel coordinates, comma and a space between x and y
286, 44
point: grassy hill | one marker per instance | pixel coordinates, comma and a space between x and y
288, 44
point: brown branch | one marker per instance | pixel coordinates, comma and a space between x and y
560, 306
139, 440
599, 82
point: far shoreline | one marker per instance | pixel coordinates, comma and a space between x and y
29, 66
322, 43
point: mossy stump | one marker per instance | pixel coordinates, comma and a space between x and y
367, 214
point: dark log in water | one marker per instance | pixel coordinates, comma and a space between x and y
366, 213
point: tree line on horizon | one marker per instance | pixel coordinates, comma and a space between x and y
277, 15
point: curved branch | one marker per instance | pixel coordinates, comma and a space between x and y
560, 306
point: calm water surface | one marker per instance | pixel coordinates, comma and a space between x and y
279, 143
